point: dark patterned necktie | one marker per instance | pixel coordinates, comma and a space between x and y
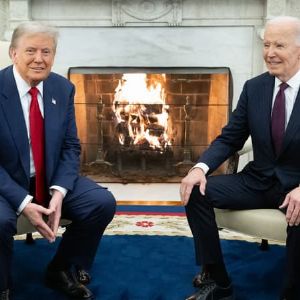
37, 138
278, 118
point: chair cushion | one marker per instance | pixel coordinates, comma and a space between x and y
24, 226
269, 224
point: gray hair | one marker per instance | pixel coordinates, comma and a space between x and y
32, 28
287, 19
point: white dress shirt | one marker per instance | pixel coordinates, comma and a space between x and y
290, 97
25, 97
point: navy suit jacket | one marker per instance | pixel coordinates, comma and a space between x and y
252, 116
62, 146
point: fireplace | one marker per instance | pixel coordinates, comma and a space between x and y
148, 124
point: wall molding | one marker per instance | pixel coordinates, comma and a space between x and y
146, 12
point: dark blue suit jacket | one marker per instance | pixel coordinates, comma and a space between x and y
61, 143
252, 116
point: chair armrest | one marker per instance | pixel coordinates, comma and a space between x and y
247, 147
233, 161
4, 57
24, 226
269, 224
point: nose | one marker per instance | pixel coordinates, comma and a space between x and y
270, 51
38, 56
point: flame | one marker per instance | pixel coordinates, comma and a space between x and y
141, 112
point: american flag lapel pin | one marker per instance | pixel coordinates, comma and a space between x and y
54, 101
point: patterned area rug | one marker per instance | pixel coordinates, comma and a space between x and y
160, 221
146, 224
156, 221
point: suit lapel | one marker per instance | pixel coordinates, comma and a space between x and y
266, 109
52, 113
12, 108
293, 124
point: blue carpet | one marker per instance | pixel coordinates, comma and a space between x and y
152, 268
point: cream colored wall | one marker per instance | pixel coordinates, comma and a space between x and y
4, 57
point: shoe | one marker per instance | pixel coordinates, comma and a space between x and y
4, 295
200, 278
66, 282
82, 275
209, 290
290, 294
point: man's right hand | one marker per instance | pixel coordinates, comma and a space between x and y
34, 213
195, 177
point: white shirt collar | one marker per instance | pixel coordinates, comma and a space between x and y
22, 86
293, 82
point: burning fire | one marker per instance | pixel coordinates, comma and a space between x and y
141, 112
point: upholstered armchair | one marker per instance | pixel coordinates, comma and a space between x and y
266, 224
25, 227
4, 56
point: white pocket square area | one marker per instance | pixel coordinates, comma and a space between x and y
53, 101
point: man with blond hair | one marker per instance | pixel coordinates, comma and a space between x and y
39, 165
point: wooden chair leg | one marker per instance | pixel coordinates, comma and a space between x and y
29, 239
264, 246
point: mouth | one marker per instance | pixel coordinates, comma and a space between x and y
37, 69
273, 63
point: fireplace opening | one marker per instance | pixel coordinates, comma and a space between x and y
148, 124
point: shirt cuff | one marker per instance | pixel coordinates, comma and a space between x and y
27, 200
58, 188
204, 167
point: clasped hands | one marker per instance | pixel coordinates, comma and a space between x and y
45, 220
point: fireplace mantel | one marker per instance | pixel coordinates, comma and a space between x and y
144, 12
137, 12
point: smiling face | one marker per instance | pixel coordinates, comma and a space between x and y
281, 50
33, 57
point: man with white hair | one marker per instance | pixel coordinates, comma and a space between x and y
268, 111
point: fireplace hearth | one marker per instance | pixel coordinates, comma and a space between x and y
147, 124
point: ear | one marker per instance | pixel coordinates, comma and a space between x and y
12, 53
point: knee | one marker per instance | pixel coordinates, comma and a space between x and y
108, 205
105, 206
195, 197
198, 202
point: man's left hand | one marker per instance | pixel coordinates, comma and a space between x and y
55, 204
292, 203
